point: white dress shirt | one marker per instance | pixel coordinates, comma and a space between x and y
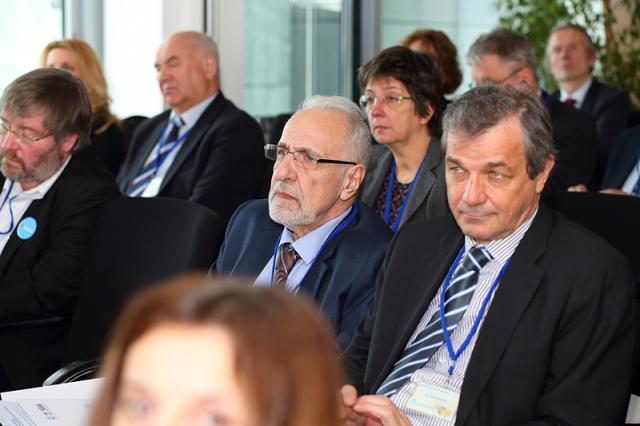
578, 95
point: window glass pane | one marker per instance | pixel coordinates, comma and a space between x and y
461, 20
25, 29
292, 51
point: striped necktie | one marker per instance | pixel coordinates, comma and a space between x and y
456, 300
160, 153
288, 256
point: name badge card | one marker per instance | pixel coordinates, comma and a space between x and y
436, 401
153, 188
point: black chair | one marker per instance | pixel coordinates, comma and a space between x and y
614, 218
137, 242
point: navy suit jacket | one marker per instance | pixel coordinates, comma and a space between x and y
556, 344
220, 165
575, 139
623, 158
342, 279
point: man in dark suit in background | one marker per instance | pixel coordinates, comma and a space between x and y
511, 314
52, 190
571, 56
622, 176
325, 245
504, 57
204, 149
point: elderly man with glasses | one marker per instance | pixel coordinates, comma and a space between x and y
52, 190
311, 236
505, 58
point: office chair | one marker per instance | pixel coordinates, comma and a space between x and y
137, 242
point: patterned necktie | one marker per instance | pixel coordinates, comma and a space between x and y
570, 101
287, 258
456, 300
150, 168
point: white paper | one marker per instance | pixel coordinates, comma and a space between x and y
57, 412
11, 413
83, 389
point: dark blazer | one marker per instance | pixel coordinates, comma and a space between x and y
609, 108
623, 158
428, 199
40, 276
342, 279
110, 144
220, 164
556, 343
575, 139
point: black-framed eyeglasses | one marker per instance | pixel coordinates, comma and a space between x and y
300, 158
490, 82
25, 137
368, 101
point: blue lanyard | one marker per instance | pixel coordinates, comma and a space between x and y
546, 98
4, 201
454, 355
635, 191
387, 201
336, 231
160, 159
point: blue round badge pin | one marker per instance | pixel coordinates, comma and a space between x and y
26, 228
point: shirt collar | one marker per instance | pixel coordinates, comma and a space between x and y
503, 249
310, 243
38, 192
578, 95
191, 116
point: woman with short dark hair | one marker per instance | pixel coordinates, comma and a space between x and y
402, 93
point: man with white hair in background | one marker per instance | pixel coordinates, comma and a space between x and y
310, 235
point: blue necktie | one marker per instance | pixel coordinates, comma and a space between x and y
150, 168
457, 299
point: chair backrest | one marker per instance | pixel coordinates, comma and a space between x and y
613, 217
136, 243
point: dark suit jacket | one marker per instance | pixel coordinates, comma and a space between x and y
342, 279
575, 139
623, 158
40, 276
220, 164
428, 199
609, 108
556, 344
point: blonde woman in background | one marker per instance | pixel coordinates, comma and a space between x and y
108, 137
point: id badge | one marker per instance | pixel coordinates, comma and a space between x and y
153, 188
437, 401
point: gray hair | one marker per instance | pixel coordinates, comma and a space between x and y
62, 96
201, 41
359, 143
511, 47
482, 108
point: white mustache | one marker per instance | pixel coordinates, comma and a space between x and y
282, 186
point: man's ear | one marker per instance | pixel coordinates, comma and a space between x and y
352, 180
68, 143
210, 66
543, 176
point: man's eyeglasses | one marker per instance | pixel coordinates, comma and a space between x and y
26, 137
491, 82
300, 158
368, 101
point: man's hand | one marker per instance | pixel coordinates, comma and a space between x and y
370, 410
578, 188
614, 191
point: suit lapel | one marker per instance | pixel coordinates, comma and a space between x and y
195, 136
375, 177
519, 284
589, 102
423, 288
148, 145
424, 181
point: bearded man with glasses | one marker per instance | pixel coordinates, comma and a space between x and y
52, 190
311, 236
